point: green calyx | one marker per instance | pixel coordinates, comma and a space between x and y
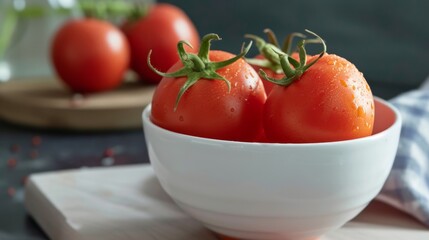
198, 66
268, 50
294, 69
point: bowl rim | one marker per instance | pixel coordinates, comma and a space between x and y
397, 123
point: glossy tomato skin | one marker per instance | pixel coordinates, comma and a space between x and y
331, 101
90, 55
207, 109
159, 31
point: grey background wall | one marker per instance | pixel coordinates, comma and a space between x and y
387, 40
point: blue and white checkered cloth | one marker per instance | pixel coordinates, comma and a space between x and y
407, 187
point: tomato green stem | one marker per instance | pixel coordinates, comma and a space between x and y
198, 62
271, 37
244, 51
267, 49
291, 74
286, 66
203, 53
197, 67
181, 49
288, 41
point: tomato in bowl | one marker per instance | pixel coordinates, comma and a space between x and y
305, 175
274, 191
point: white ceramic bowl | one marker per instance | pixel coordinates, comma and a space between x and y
274, 191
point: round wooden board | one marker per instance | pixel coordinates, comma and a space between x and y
48, 104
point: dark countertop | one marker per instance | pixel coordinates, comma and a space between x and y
24, 151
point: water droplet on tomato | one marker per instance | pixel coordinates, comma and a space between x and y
367, 124
360, 112
367, 87
181, 118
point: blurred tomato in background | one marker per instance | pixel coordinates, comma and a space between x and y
159, 30
90, 55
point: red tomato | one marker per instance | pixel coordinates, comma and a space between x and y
90, 55
159, 31
207, 109
331, 101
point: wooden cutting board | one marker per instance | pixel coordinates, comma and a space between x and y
128, 203
45, 103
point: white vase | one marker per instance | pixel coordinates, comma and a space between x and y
27, 55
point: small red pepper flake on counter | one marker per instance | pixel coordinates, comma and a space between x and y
36, 141
11, 162
11, 191
24, 180
34, 154
14, 148
109, 152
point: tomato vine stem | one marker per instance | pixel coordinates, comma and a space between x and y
294, 71
268, 49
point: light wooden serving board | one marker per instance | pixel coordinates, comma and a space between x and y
127, 203
46, 103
